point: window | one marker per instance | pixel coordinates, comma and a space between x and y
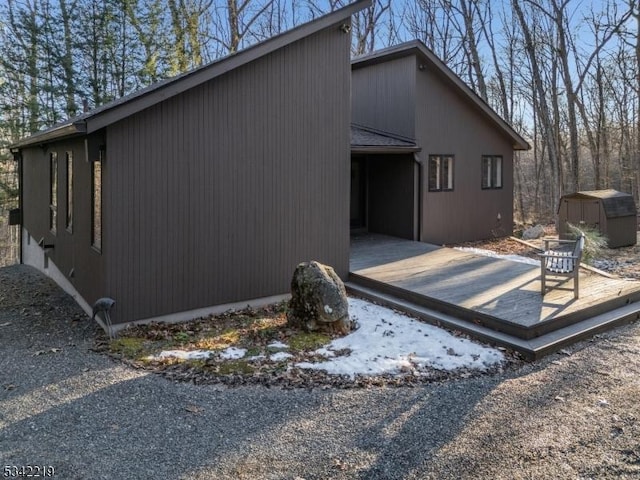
96, 200
491, 171
69, 223
53, 191
440, 173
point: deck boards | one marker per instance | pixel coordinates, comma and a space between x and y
503, 289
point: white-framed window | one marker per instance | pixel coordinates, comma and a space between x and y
440, 173
491, 171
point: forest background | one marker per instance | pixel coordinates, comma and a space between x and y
564, 73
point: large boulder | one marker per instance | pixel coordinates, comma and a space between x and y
532, 233
318, 300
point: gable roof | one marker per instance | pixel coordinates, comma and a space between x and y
367, 140
416, 47
128, 105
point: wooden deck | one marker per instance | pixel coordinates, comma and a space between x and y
498, 294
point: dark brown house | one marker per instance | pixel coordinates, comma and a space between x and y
202, 192
437, 165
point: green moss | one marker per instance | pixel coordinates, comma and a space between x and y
130, 347
305, 341
253, 352
182, 337
235, 367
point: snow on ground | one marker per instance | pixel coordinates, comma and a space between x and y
182, 355
388, 342
385, 342
233, 353
489, 253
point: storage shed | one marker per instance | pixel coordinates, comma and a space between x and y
612, 212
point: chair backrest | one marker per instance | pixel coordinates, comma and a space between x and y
577, 250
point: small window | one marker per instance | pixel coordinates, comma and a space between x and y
53, 191
491, 171
440, 173
96, 200
69, 223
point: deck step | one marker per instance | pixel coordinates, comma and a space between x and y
531, 349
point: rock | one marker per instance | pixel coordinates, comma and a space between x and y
532, 233
318, 300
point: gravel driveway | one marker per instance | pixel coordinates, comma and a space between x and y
572, 415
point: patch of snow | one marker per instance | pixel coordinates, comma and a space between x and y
256, 358
388, 342
279, 356
182, 355
233, 353
325, 352
278, 345
328, 310
489, 253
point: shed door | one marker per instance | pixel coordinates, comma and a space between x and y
591, 213
574, 211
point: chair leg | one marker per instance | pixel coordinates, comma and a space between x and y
576, 285
542, 278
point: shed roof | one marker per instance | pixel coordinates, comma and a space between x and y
616, 204
367, 140
416, 47
128, 105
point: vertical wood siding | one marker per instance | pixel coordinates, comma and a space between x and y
383, 96
447, 123
72, 250
217, 194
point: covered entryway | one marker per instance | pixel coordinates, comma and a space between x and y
384, 184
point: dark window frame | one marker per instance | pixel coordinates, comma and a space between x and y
490, 180
53, 192
441, 178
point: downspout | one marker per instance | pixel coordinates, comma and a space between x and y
417, 195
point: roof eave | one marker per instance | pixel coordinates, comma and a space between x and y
66, 130
372, 149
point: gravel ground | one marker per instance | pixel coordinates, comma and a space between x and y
573, 415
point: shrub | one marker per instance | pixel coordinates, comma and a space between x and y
594, 241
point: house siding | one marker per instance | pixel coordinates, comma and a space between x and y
218, 193
447, 123
383, 96
72, 249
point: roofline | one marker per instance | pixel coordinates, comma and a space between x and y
364, 149
417, 47
156, 93
64, 130
382, 149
